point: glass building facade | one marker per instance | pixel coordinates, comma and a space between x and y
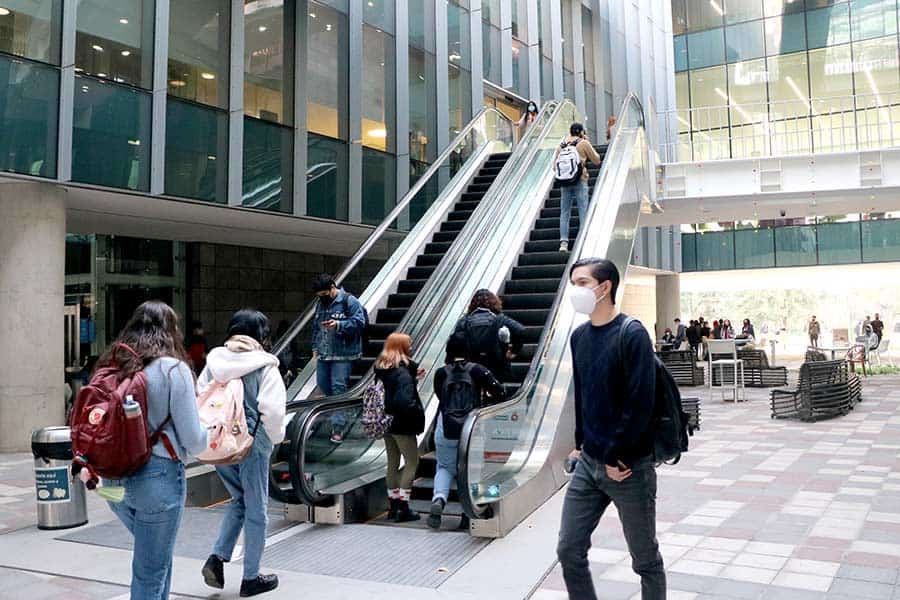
777, 77
229, 102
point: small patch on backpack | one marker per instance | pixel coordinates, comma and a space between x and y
96, 416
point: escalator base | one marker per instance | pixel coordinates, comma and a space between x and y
393, 555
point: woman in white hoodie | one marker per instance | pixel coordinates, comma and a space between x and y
243, 357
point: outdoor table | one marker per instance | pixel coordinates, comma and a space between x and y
834, 350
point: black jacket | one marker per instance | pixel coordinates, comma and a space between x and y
500, 365
490, 391
401, 399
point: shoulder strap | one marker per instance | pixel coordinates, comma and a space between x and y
159, 436
256, 378
620, 344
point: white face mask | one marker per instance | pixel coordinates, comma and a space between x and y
584, 300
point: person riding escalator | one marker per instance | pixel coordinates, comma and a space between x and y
492, 339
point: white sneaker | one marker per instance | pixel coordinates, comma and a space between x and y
564, 246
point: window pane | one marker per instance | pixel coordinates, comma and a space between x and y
328, 66
876, 78
422, 106
795, 246
828, 26
29, 109
839, 243
379, 189
706, 49
708, 90
198, 50
546, 79
520, 68
788, 85
777, 7
587, 44
715, 251
114, 40
326, 178
268, 164
460, 100
785, 34
688, 252
458, 47
111, 135
744, 41
196, 151
31, 28
681, 59
881, 240
490, 12
567, 46
872, 18
492, 59
520, 19
378, 90
269, 60
830, 71
569, 85
754, 248
747, 87
379, 14
421, 25
590, 102
703, 14
742, 10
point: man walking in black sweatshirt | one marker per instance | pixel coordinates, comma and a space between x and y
614, 398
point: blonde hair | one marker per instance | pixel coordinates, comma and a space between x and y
396, 351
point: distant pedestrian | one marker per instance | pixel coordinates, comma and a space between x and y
197, 346
727, 330
813, 329
878, 327
747, 330
571, 173
528, 117
693, 337
680, 333
610, 127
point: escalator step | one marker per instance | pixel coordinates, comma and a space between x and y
411, 286
466, 205
437, 247
532, 334
543, 258
519, 371
445, 236
428, 260
401, 300
459, 215
452, 225
479, 179
478, 187
527, 352
527, 286
471, 196
539, 272
526, 301
552, 233
361, 365
528, 316
501, 155
548, 223
511, 389
492, 169
419, 272
381, 329
542, 246
393, 315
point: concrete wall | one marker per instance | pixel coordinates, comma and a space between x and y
32, 276
639, 300
668, 302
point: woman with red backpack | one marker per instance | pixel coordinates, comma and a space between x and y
154, 495
244, 357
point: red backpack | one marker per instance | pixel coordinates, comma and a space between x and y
106, 441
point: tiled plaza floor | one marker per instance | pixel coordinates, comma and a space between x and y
772, 509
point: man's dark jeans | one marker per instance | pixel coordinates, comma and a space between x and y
588, 496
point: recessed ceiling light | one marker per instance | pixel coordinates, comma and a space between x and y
97, 48
3, 11
262, 28
134, 142
313, 15
371, 3
210, 157
101, 74
328, 27
205, 75
123, 21
378, 133
79, 70
177, 83
126, 52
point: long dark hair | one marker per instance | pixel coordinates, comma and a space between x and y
152, 332
485, 299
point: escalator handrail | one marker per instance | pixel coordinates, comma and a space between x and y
307, 417
463, 484
374, 237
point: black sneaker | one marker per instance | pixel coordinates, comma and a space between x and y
213, 572
434, 515
260, 585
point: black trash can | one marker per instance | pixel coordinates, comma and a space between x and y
61, 501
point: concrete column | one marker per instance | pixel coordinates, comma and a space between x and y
32, 283
668, 301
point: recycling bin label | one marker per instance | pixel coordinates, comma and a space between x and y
52, 485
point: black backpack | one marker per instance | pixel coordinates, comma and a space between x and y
459, 397
483, 346
670, 424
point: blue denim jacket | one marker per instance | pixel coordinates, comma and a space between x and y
344, 342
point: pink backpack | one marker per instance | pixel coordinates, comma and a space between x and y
222, 412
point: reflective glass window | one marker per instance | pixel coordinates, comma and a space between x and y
196, 151
460, 99
426, 196
567, 46
268, 165
29, 111
777, 7
422, 106
379, 186
785, 34
198, 50
704, 14
491, 62
114, 40
546, 79
421, 25
379, 14
587, 45
872, 18
458, 39
111, 135
569, 85
31, 28
795, 246
688, 252
881, 240
744, 41
520, 68
709, 98
379, 93
520, 19
839, 243
737, 11
715, 251
269, 60
875, 64
706, 49
830, 72
327, 173
788, 85
490, 12
747, 88
590, 111
328, 67
681, 58
828, 26
754, 248
682, 102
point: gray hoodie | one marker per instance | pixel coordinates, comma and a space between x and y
242, 355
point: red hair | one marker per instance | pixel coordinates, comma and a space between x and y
396, 351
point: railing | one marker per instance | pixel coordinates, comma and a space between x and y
781, 128
521, 467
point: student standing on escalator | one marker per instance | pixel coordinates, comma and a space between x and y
399, 373
571, 173
461, 387
492, 338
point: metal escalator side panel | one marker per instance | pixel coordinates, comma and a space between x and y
503, 478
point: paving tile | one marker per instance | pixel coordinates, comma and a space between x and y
602, 555
873, 574
813, 567
815, 583
762, 561
769, 548
697, 567
751, 574
863, 589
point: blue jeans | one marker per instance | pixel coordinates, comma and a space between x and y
577, 194
248, 484
151, 511
590, 492
446, 451
332, 377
